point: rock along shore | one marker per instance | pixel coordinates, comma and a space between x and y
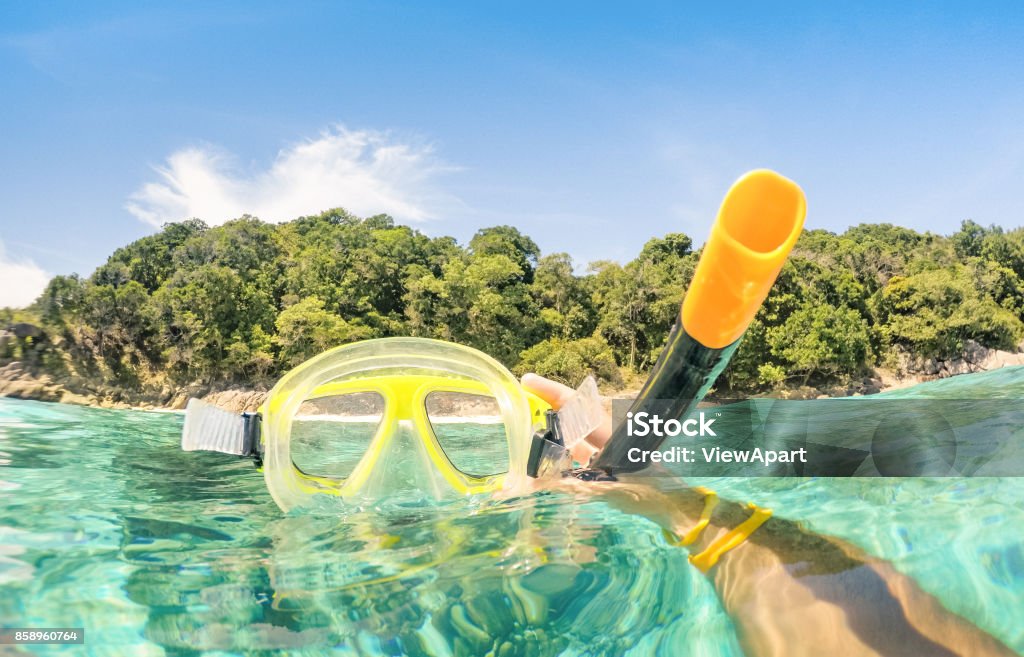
17, 381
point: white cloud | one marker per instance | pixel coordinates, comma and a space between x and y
21, 280
365, 171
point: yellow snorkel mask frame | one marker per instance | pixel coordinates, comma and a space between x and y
403, 371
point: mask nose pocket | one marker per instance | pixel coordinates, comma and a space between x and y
403, 469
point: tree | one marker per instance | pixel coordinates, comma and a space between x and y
61, 301
932, 314
150, 260
638, 304
251, 358
567, 310
821, 340
968, 241
480, 299
509, 242
306, 329
200, 312
570, 361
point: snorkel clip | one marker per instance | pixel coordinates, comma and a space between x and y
549, 455
576, 418
251, 438
547, 448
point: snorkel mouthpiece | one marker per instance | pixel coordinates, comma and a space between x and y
757, 226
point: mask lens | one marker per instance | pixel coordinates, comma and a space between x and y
330, 434
470, 430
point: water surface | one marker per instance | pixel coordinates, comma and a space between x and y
105, 524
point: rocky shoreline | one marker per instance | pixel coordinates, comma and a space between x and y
18, 382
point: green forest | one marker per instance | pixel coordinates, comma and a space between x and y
242, 302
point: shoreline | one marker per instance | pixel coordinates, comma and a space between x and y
17, 382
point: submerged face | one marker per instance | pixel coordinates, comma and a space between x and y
396, 416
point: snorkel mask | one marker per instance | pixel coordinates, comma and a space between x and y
379, 416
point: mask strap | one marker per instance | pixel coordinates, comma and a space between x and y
211, 429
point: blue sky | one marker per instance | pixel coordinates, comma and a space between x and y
590, 127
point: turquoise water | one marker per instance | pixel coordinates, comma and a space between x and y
105, 524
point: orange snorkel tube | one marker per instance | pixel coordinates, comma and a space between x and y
757, 226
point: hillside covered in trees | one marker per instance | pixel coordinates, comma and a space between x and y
243, 302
